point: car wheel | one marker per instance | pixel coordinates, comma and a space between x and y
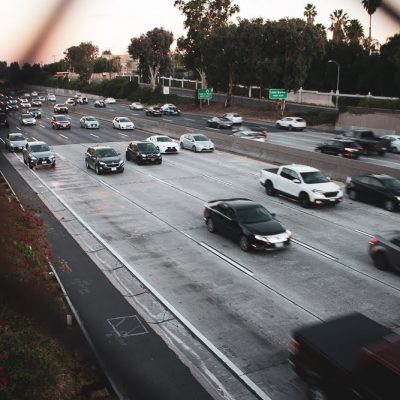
98, 172
381, 261
269, 189
353, 195
25, 161
394, 150
181, 145
159, 162
315, 392
290, 127
121, 170
381, 153
244, 243
87, 164
304, 200
389, 205
194, 149
278, 126
210, 225
30, 165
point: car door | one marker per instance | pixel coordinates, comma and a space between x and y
329, 147
135, 152
188, 141
394, 253
287, 184
221, 220
377, 191
91, 157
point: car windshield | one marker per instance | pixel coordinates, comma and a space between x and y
391, 183
106, 153
314, 177
90, 119
124, 120
200, 138
37, 148
15, 138
26, 116
146, 147
62, 118
253, 215
164, 139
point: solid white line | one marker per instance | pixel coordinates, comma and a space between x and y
363, 233
168, 120
42, 126
189, 119
65, 137
35, 139
62, 157
213, 129
109, 186
123, 134
2, 140
224, 359
315, 250
17, 127
227, 259
48, 119
92, 134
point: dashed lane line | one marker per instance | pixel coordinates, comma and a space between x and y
65, 137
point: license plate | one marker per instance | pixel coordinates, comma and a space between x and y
383, 148
278, 244
42, 162
152, 159
20, 147
113, 168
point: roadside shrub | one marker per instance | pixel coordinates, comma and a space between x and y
318, 117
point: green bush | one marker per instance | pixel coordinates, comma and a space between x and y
318, 117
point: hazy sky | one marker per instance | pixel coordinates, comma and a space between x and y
41, 30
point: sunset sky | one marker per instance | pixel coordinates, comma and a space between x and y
41, 30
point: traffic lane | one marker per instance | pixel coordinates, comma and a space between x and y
198, 279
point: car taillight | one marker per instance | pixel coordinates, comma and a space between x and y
350, 149
293, 346
361, 148
373, 240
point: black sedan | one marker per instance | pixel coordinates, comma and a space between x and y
384, 250
246, 222
143, 153
99, 103
220, 122
382, 190
340, 147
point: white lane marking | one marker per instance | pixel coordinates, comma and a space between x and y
315, 250
363, 233
35, 139
17, 127
168, 120
212, 129
109, 186
227, 259
2, 140
205, 118
135, 114
189, 119
123, 134
218, 353
42, 126
48, 119
92, 134
59, 155
65, 137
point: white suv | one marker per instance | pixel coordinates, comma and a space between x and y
291, 123
394, 142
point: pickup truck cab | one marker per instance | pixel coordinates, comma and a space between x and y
350, 357
369, 141
305, 184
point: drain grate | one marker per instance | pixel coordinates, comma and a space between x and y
127, 326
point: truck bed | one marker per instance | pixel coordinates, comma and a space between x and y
340, 340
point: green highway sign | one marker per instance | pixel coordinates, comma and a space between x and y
277, 94
205, 94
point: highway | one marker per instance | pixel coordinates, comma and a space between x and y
148, 223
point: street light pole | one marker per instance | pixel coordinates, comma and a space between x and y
337, 81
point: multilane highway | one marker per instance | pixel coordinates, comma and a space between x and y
245, 304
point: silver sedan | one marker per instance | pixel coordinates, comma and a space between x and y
89, 122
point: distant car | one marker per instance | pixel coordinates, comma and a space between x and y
15, 142
154, 111
246, 222
25, 104
136, 106
89, 122
168, 105
36, 102
219, 122
172, 111
143, 153
35, 112
34, 94
382, 190
13, 105
394, 142
42, 98
291, 123
196, 142
123, 123
340, 147
234, 117
384, 250
81, 100
27, 119
4, 120
103, 159
70, 102
60, 109
99, 103
36, 154
258, 136
51, 97
110, 100
164, 143
60, 122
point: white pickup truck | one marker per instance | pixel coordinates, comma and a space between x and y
300, 182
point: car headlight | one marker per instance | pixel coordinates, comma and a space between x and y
52, 157
261, 238
289, 234
317, 191
33, 158
158, 154
144, 155
121, 162
398, 198
102, 163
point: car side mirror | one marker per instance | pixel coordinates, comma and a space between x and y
118, 154
273, 215
329, 178
296, 180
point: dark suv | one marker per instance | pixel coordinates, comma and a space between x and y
60, 109
103, 159
143, 152
340, 147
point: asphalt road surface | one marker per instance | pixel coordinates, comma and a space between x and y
244, 304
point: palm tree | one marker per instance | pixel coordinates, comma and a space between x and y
310, 13
354, 31
339, 22
371, 6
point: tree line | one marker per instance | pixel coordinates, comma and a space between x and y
289, 53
